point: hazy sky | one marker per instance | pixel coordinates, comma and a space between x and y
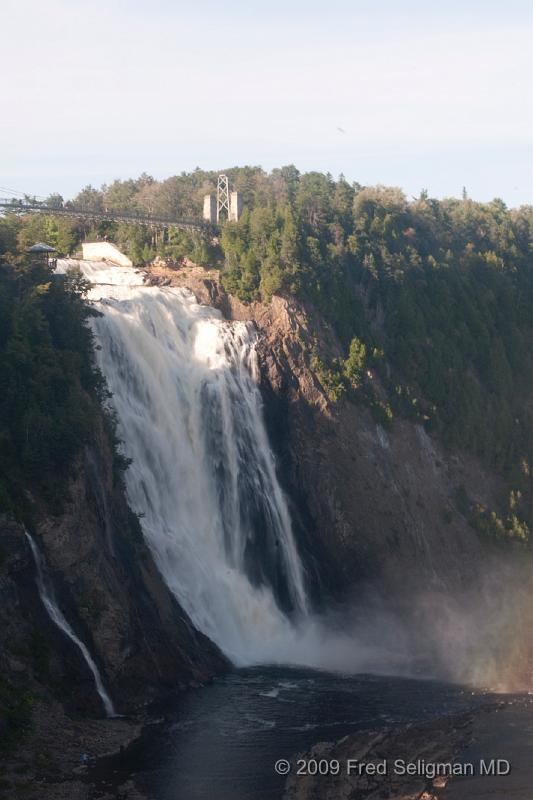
426, 94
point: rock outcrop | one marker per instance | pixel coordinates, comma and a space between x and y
382, 756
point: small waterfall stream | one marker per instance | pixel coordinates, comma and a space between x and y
46, 593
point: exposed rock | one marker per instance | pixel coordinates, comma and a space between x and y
204, 283
436, 742
379, 498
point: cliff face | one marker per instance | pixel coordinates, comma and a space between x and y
111, 593
382, 501
376, 503
376, 511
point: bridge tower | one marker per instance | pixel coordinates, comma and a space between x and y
223, 200
223, 204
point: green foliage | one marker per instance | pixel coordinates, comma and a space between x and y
330, 377
340, 379
436, 296
19, 233
51, 390
262, 253
509, 527
381, 411
355, 363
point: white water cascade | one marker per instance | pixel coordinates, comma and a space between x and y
202, 477
202, 474
46, 593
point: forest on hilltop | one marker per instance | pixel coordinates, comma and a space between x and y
431, 300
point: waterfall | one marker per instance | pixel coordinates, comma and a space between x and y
46, 593
203, 477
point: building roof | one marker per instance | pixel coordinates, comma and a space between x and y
41, 247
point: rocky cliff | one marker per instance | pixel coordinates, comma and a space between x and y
108, 587
376, 509
380, 501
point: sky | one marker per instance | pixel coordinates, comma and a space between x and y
422, 95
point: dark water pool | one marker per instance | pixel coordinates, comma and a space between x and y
222, 741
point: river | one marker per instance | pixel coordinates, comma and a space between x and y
222, 741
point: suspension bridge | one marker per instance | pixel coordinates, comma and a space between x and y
29, 206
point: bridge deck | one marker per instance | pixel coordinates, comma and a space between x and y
111, 216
